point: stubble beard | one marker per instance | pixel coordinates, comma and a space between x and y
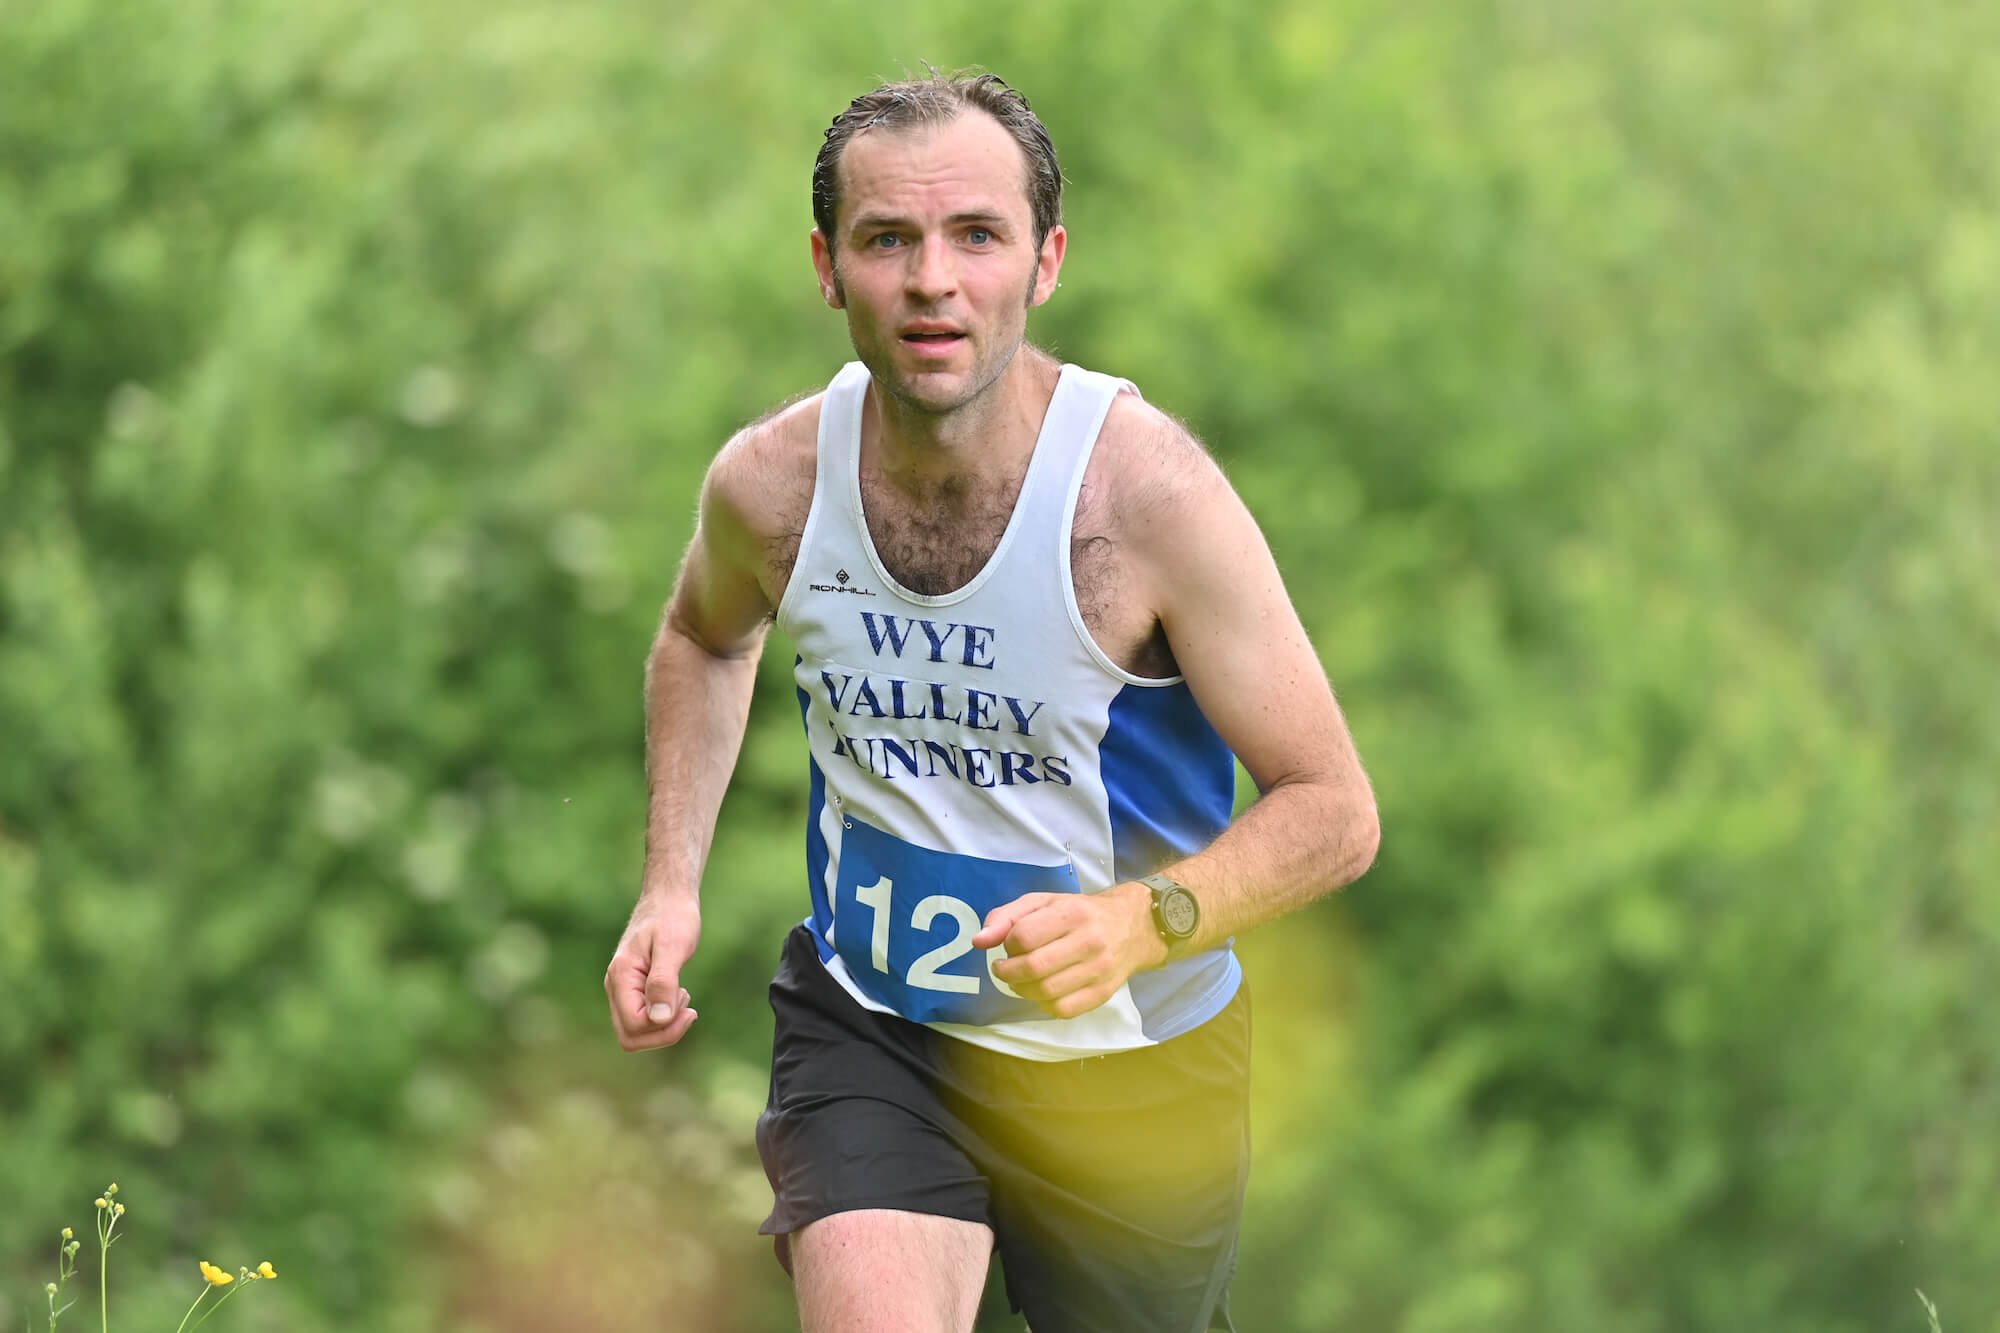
883, 371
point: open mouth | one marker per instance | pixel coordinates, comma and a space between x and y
933, 337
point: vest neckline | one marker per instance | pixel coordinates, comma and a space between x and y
1037, 465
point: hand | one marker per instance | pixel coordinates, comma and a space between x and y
1070, 952
649, 1006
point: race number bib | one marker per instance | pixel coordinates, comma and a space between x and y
904, 918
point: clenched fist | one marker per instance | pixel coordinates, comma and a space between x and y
649, 1006
1070, 952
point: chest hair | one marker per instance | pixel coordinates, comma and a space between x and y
934, 540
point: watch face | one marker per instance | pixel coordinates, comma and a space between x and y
1177, 909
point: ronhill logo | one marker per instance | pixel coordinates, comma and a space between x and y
839, 585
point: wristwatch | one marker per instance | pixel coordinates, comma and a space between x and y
1176, 914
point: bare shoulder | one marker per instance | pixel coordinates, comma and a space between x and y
1185, 543
1149, 472
759, 488
765, 471
1145, 491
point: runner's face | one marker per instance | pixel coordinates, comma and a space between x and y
935, 262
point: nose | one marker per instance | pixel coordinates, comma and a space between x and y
932, 275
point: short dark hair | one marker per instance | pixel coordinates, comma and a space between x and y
936, 100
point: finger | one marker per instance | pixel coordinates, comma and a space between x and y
663, 984
666, 1013
657, 1038
625, 986
637, 1031
1000, 921
1069, 926
1061, 983
1076, 990
1082, 1001
1036, 965
661, 993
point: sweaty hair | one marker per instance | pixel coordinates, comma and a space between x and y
937, 100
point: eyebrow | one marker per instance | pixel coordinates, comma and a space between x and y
875, 221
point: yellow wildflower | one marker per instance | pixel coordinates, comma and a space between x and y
68, 1234
102, 1202
216, 1277
265, 1270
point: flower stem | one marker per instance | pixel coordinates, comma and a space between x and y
213, 1308
190, 1314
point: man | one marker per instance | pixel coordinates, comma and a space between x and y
1033, 623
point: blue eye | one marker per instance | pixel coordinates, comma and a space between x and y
883, 240
979, 236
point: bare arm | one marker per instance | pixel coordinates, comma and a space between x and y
1252, 669
699, 678
1195, 554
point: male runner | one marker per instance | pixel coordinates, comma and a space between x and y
1033, 624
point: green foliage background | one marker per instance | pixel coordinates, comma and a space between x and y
1615, 383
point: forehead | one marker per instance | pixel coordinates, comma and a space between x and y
969, 163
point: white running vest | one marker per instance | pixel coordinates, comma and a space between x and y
970, 748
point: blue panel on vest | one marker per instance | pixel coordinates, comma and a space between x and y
1169, 783
904, 921
816, 854
1168, 778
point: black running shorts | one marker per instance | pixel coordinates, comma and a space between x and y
1113, 1184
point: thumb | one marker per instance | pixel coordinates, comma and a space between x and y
1000, 921
664, 996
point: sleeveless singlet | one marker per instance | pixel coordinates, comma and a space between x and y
970, 748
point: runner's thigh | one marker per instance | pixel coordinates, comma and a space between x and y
877, 1270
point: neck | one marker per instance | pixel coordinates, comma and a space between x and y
986, 439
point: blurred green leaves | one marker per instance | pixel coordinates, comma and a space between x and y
1613, 383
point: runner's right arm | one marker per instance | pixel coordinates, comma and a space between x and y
699, 678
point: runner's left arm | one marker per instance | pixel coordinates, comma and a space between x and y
1250, 665
1195, 550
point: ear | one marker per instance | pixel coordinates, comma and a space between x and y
1048, 265
829, 284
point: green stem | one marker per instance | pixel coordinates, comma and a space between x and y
197, 1301
104, 1269
234, 1287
